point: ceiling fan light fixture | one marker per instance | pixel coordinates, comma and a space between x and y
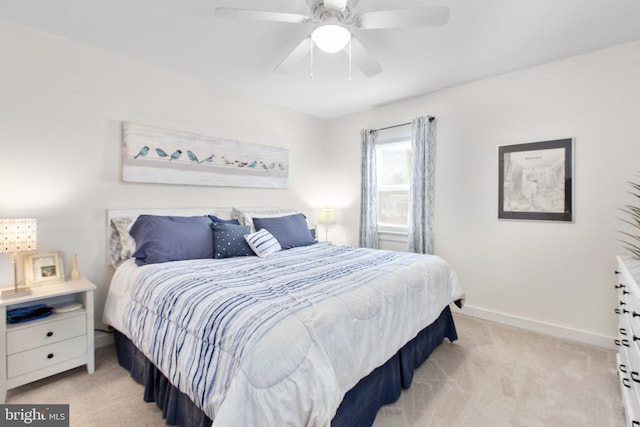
331, 38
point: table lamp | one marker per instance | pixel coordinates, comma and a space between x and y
17, 235
326, 217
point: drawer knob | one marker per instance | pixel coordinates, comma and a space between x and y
49, 334
623, 331
625, 382
619, 286
634, 314
50, 356
616, 272
623, 311
623, 369
634, 376
622, 342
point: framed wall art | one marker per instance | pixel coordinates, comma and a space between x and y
43, 268
156, 155
535, 181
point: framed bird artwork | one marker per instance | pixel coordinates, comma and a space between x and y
156, 155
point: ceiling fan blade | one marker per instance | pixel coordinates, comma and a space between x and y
363, 58
295, 56
262, 15
420, 17
338, 5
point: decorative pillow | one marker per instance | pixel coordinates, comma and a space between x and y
228, 240
121, 244
291, 231
171, 238
245, 215
263, 243
214, 218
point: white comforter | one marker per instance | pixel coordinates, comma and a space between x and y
277, 341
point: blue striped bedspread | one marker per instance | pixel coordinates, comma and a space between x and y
280, 340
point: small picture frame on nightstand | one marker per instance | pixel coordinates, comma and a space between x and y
43, 268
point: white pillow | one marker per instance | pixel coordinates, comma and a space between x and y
245, 215
263, 243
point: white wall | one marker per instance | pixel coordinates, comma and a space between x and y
61, 108
555, 277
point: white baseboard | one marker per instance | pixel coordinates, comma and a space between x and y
537, 326
102, 339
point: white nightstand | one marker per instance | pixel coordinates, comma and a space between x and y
39, 348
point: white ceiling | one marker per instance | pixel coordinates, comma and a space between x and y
482, 38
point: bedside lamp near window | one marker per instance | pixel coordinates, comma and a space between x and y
327, 217
17, 235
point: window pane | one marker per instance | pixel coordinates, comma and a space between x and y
394, 165
394, 177
393, 208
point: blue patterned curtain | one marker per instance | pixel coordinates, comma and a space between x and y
422, 192
369, 194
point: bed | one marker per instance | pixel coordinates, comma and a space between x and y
310, 335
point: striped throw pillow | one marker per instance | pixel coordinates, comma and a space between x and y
263, 243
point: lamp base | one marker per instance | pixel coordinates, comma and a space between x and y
16, 292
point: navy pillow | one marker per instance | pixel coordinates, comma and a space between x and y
228, 240
171, 238
291, 231
214, 218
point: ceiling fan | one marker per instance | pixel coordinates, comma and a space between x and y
332, 20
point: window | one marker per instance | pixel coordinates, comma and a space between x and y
394, 178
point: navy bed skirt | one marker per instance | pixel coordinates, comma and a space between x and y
358, 408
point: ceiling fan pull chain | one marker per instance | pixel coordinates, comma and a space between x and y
311, 55
350, 62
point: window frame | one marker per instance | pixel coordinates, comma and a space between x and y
398, 139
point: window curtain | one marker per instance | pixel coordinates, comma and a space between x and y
422, 192
369, 194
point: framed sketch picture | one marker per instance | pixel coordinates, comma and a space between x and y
535, 181
43, 268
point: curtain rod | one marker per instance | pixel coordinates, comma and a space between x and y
401, 124
394, 126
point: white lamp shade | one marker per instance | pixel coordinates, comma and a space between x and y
331, 38
18, 235
327, 216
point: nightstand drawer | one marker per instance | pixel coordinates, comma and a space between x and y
45, 333
42, 357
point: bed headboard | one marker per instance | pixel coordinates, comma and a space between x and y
134, 213
113, 234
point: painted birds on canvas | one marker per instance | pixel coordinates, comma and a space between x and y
241, 164
143, 152
191, 155
208, 159
161, 152
253, 164
281, 167
176, 155
263, 166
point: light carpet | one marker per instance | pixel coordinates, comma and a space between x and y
493, 376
